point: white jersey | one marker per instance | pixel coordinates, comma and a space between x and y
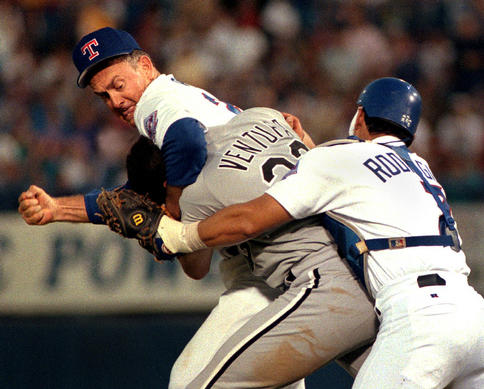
167, 100
367, 187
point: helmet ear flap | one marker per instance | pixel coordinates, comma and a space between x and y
393, 100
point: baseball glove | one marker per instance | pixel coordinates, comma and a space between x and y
133, 216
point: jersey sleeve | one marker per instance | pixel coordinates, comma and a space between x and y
197, 202
304, 192
92, 209
154, 116
184, 151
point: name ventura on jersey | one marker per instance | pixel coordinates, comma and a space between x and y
242, 151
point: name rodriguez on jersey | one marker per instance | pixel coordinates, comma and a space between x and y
387, 165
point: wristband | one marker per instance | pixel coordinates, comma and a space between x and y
178, 237
193, 240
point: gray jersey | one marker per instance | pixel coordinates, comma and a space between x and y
245, 157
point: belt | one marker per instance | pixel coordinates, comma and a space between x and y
400, 243
430, 280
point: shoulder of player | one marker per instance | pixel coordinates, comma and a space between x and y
160, 104
343, 142
336, 152
159, 94
198, 200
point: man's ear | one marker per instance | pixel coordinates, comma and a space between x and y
360, 119
146, 65
361, 130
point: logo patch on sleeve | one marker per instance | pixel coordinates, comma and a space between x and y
150, 124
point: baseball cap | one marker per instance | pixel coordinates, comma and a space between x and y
98, 46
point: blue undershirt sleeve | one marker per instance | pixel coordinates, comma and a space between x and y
92, 209
184, 151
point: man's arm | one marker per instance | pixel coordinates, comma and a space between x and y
196, 265
39, 208
240, 222
228, 226
173, 194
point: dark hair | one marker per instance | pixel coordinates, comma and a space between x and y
386, 127
146, 170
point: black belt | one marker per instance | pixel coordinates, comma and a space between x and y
430, 280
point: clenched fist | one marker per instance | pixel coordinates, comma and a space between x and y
36, 206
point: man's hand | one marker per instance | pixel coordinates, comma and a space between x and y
295, 124
37, 207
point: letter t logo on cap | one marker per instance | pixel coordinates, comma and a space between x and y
88, 47
98, 46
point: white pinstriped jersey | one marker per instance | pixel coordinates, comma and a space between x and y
245, 157
167, 100
366, 186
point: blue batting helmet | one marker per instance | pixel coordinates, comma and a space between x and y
394, 100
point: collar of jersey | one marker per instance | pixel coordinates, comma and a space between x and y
388, 140
146, 92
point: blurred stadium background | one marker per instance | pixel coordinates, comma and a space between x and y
82, 308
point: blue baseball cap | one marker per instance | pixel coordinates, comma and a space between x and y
98, 46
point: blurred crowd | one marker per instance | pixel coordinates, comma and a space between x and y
307, 57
